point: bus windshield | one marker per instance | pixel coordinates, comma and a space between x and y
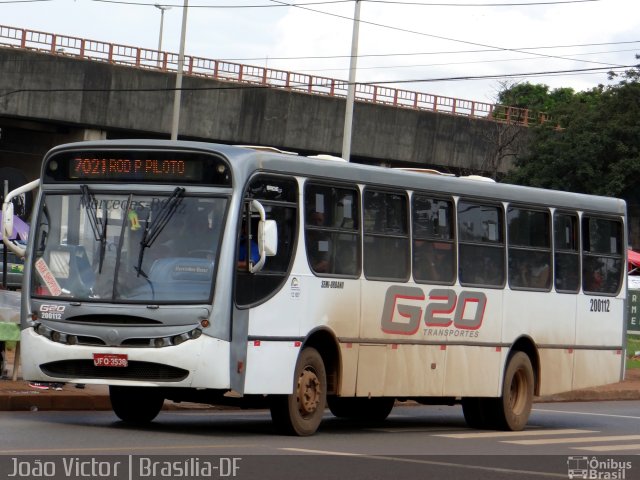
137, 248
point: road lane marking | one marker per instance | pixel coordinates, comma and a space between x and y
412, 429
324, 452
427, 462
587, 413
609, 448
551, 441
73, 450
525, 433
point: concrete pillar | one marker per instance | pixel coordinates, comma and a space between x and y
92, 134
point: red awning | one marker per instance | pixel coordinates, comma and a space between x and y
633, 258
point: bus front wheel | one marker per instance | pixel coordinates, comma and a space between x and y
135, 405
300, 413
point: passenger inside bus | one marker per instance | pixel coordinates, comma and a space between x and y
318, 244
433, 261
242, 249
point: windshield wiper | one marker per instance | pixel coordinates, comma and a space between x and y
98, 225
154, 227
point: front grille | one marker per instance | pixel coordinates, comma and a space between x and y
113, 320
135, 371
84, 340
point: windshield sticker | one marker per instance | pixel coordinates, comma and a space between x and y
295, 288
134, 222
48, 278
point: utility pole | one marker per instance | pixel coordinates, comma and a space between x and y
178, 91
351, 91
162, 9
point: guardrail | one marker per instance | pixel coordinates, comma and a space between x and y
116, 54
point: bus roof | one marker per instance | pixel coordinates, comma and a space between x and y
245, 161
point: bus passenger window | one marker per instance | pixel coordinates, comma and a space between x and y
433, 247
481, 244
332, 238
529, 249
567, 254
602, 266
386, 236
318, 244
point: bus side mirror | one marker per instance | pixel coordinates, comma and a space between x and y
7, 221
268, 237
267, 242
7, 217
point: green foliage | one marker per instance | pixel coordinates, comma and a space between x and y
633, 345
592, 145
535, 97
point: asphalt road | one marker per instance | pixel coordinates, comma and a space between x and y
415, 442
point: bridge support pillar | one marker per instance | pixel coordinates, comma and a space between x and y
86, 134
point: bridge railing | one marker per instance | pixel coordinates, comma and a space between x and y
255, 75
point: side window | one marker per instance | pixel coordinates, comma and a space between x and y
386, 235
481, 244
602, 254
433, 240
332, 230
278, 195
566, 236
529, 249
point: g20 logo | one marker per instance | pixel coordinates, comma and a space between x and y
405, 308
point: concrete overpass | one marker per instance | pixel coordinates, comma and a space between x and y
54, 91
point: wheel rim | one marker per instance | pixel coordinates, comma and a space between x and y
518, 392
309, 392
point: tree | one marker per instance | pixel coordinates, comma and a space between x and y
536, 97
503, 141
591, 146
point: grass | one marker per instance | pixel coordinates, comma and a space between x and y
633, 345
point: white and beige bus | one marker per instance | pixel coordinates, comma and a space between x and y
226, 275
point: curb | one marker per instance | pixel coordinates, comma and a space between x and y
36, 400
590, 396
60, 401
33, 401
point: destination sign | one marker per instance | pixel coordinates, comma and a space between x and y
137, 166
149, 168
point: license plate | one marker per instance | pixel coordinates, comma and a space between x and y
110, 360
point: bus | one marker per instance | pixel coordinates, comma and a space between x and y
187, 271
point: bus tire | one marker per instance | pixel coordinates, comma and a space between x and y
514, 406
135, 405
374, 409
477, 412
300, 413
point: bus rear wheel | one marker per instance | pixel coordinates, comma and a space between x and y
300, 413
514, 406
361, 408
135, 405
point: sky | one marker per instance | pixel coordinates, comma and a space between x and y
419, 45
